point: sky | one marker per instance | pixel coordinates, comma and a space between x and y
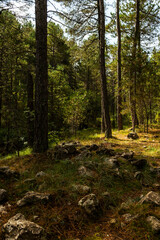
29, 11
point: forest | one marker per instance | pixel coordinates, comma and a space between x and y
80, 119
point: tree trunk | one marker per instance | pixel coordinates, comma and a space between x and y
104, 94
30, 108
119, 95
41, 81
134, 74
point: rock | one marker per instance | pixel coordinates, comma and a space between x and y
132, 135
154, 223
106, 199
81, 189
126, 205
41, 174
156, 186
4, 208
34, 197
50, 154
84, 154
90, 204
112, 162
128, 155
105, 151
18, 228
91, 165
139, 175
121, 160
60, 153
129, 217
151, 197
65, 150
140, 164
70, 148
3, 196
155, 170
93, 147
85, 172
113, 221
30, 181
6, 172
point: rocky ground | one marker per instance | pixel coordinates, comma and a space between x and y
96, 191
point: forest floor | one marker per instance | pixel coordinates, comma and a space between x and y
63, 218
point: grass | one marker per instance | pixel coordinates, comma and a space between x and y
62, 218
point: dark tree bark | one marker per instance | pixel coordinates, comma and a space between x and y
119, 94
30, 108
104, 93
1, 90
134, 72
41, 82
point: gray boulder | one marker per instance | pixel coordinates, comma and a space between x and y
111, 163
34, 197
18, 228
140, 163
133, 135
139, 176
154, 223
41, 174
84, 154
129, 217
93, 147
86, 172
151, 197
128, 155
90, 204
3, 195
81, 189
6, 172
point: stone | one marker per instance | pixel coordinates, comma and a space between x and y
91, 165
128, 155
129, 217
65, 150
41, 174
140, 163
154, 223
113, 221
105, 151
18, 228
70, 148
139, 175
3, 196
93, 147
85, 172
84, 154
156, 186
7, 173
60, 153
90, 204
126, 205
112, 162
4, 209
151, 197
133, 135
155, 170
81, 189
106, 199
31, 181
34, 197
